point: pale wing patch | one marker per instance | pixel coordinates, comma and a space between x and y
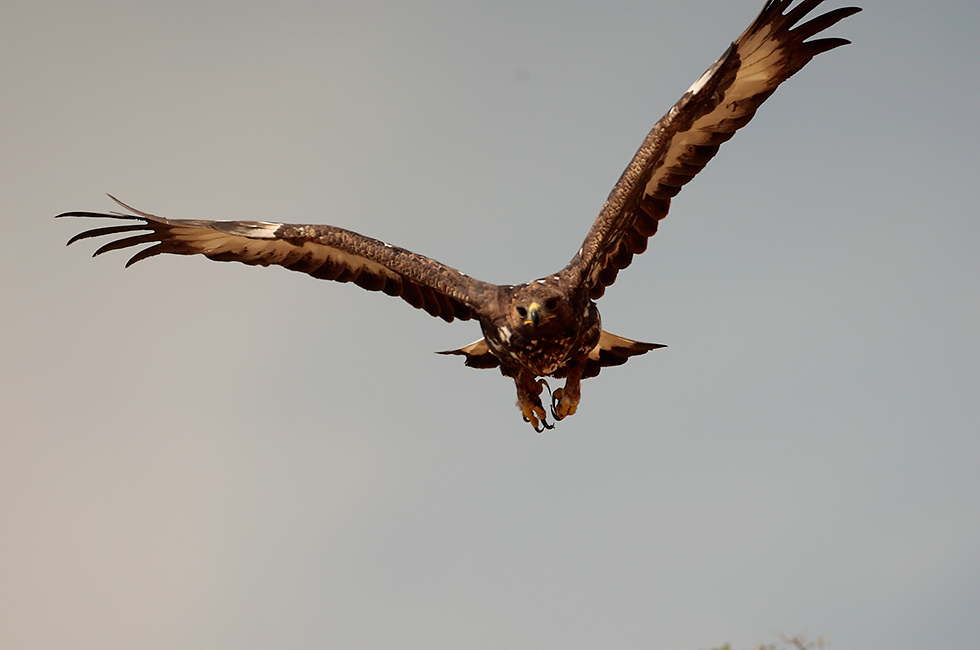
754, 77
703, 79
476, 348
765, 60
258, 242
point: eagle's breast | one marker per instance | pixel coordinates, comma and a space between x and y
545, 349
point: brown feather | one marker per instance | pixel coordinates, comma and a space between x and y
724, 100
324, 252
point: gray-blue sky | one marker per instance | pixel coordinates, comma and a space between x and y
207, 455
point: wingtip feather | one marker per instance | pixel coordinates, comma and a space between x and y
143, 254
819, 46
110, 230
140, 213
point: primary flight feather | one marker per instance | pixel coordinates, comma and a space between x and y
549, 327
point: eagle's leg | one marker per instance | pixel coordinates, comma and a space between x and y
529, 401
564, 401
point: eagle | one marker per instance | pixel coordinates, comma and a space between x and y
549, 327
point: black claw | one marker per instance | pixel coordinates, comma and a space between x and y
554, 408
551, 398
536, 429
544, 382
544, 425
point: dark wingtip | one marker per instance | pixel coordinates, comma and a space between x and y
77, 237
99, 232
121, 203
822, 45
78, 213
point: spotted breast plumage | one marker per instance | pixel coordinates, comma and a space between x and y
548, 327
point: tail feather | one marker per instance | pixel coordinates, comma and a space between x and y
611, 350
614, 350
477, 353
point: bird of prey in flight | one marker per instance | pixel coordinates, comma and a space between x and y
548, 327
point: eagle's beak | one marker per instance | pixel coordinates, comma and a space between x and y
533, 314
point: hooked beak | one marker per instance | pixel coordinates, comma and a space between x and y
533, 314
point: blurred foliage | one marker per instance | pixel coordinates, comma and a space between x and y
798, 642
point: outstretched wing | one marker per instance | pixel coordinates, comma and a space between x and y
324, 252
722, 101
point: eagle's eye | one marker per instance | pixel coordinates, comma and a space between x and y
522, 312
551, 304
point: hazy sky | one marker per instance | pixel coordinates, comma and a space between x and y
202, 455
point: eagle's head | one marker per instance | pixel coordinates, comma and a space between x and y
540, 306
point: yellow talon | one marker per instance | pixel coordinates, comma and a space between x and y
536, 416
561, 409
529, 402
